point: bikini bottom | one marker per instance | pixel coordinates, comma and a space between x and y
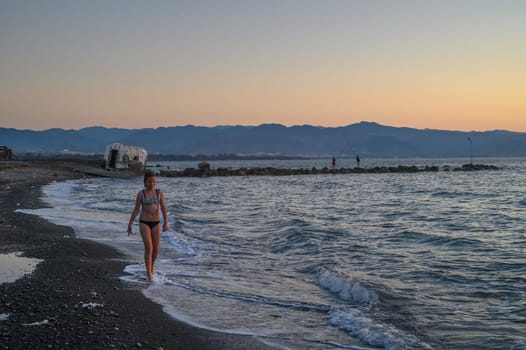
150, 224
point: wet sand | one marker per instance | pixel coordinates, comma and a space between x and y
74, 299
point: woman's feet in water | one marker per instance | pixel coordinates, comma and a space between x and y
149, 276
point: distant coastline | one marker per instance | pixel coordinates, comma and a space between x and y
154, 157
271, 141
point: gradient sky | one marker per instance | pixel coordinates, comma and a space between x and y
444, 64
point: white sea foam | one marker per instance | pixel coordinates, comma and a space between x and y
4, 317
372, 332
90, 306
38, 323
58, 193
347, 287
14, 266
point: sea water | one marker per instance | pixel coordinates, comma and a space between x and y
14, 266
431, 260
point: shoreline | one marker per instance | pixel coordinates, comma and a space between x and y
74, 298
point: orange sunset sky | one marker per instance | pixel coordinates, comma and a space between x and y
445, 64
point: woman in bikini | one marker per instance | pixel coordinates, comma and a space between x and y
150, 199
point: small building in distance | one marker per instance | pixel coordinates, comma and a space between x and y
6, 153
121, 156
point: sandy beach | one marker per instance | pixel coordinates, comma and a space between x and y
74, 299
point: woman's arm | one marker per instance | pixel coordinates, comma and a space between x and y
163, 211
134, 213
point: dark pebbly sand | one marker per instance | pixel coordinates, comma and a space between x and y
75, 274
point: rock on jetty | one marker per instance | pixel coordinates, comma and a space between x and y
202, 171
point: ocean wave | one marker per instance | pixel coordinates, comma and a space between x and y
290, 235
449, 194
293, 240
347, 288
434, 239
373, 332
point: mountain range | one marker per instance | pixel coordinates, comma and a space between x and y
368, 139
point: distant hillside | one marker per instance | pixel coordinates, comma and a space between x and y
365, 138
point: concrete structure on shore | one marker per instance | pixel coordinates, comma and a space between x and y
121, 156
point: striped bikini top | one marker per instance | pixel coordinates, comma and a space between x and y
152, 200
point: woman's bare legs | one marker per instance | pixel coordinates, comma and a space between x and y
151, 239
156, 241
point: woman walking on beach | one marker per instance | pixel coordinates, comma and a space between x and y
151, 200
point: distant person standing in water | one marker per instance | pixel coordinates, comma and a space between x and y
333, 162
357, 161
148, 202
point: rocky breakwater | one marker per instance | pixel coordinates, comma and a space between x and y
266, 171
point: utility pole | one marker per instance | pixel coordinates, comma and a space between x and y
470, 149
